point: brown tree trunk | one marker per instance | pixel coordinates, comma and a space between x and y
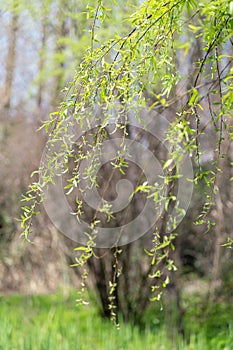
41, 64
11, 58
63, 32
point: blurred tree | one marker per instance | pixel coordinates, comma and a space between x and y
169, 56
11, 55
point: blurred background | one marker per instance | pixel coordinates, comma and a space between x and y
42, 43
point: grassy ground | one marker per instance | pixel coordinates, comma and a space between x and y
54, 323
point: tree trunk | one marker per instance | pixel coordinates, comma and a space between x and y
11, 58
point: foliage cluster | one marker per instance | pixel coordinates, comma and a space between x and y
124, 75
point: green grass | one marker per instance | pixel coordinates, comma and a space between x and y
53, 322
